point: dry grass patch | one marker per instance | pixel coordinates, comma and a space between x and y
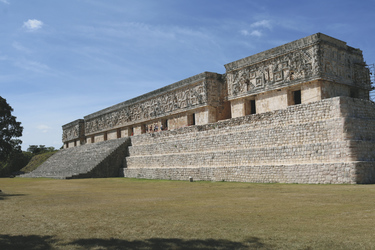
119, 213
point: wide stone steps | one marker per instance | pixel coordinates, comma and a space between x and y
102, 159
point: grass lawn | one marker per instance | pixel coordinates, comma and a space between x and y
120, 213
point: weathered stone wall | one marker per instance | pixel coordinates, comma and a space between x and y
308, 143
272, 100
323, 173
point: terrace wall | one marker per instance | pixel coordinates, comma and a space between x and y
309, 143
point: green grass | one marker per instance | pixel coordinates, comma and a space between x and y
120, 213
36, 161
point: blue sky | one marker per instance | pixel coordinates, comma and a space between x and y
63, 59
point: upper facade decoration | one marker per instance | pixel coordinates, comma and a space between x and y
209, 97
315, 57
198, 91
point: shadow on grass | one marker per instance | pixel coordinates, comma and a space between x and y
30, 242
33, 242
161, 243
4, 196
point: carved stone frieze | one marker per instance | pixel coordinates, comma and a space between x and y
295, 66
187, 97
73, 131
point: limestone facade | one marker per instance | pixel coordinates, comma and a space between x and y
308, 70
193, 101
331, 141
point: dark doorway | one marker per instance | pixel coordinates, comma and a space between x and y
297, 97
253, 109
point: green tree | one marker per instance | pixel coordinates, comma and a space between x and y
16, 161
35, 149
10, 129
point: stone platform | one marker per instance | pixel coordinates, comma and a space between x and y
330, 141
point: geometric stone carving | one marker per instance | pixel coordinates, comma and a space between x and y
202, 90
314, 57
73, 131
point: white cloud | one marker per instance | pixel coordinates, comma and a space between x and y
4, 1
256, 33
262, 24
43, 128
245, 32
257, 29
33, 24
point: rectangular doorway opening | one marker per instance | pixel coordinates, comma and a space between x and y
297, 97
253, 109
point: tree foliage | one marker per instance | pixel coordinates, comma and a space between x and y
14, 163
35, 149
10, 129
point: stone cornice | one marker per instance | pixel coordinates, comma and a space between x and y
73, 123
287, 48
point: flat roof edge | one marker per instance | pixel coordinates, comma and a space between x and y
283, 49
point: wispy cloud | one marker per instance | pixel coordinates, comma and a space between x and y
257, 29
142, 32
31, 66
32, 24
44, 128
262, 24
256, 33
4, 1
137, 36
20, 47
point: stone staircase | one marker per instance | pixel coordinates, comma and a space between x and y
102, 159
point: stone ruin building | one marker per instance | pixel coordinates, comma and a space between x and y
297, 113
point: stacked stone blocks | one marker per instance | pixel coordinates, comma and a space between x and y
309, 143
